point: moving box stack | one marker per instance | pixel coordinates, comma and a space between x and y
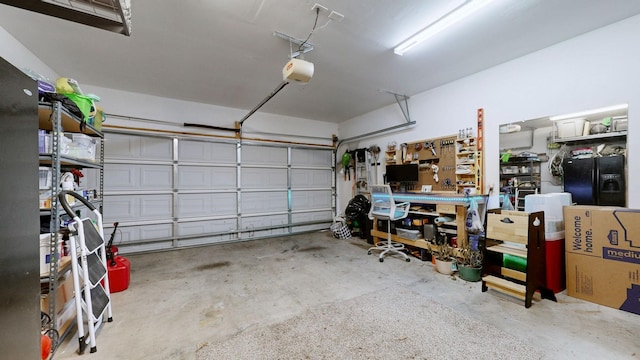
603, 255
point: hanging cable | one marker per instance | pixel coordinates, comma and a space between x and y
315, 23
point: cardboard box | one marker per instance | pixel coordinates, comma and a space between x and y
602, 248
446, 208
64, 294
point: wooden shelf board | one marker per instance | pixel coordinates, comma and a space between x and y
65, 263
514, 274
506, 249
420, 243
505, 286
69, 122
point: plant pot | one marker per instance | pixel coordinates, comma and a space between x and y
445, 267
470, 273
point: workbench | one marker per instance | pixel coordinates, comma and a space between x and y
446, 204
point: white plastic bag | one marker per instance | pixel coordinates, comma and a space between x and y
506, 203
473, 221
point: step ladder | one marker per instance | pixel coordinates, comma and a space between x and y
89, 269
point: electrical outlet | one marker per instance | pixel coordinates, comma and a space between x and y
318, 6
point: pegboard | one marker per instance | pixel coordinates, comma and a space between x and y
439, 151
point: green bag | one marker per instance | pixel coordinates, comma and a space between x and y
84, 103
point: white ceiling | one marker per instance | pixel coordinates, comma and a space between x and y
223, 52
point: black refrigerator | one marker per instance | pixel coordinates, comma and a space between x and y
596, 181
20, 229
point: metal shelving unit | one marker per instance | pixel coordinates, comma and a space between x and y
55, 118
526, 172
615, 135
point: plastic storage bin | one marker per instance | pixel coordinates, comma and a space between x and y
408, 234
570, 127
45, 177
83, 147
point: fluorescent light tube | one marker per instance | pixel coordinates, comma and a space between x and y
589, 112
444, 22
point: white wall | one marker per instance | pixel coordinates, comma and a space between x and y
593, 70
18, 55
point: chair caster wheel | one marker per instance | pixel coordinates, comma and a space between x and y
381, 259
368, 252
407, 260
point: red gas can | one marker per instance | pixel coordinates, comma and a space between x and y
119, 274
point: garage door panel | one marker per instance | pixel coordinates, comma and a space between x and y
119, 146
118, 208
200, 177
256, 178
137, 207
91, 179
138, 177
159, 209
221, 153
215, 204
120, 177
249, 223
312, 216
156, 206
132, 234
310, 178
316, 199
209, 240
325, 216
206, 227
148, 247
311, 157
156, 148
264, 155
263, 202
156, 177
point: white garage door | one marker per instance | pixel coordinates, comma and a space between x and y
169, 192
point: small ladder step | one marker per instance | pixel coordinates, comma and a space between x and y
505, 286
514, 274
506, 249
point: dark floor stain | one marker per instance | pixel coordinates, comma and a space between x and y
213, 266
312, 248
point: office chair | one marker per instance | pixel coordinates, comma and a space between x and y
383, 207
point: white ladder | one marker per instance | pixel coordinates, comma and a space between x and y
90, 275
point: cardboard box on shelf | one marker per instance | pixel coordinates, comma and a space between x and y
66, 317
602, 248
64, 294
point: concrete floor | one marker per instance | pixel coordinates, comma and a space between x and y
179, 301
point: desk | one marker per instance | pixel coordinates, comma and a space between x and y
446, 203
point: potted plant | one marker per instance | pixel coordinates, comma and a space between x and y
444, 258
470, 264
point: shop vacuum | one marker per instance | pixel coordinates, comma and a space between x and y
119, 267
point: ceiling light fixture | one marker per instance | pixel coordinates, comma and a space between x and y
589, 112
444, 22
